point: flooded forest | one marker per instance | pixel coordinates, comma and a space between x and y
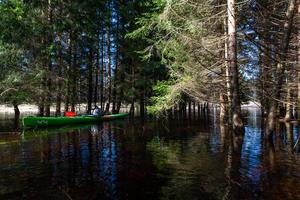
149, 99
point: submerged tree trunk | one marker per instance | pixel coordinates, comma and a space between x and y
288, 113
237, 122
222, 109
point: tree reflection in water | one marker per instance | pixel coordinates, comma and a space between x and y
196, 158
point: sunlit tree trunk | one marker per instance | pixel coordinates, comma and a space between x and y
109, 82
227, 80
288, 113
114, 93
102, 73
222, 109
280, 69
232, 64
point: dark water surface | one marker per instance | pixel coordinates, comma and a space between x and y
187, 160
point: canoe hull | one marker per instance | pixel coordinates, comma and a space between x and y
60, 121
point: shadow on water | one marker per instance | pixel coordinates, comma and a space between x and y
189, 157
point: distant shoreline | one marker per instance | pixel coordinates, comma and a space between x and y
33, 109
29, 109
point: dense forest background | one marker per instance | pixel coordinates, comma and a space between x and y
164, 56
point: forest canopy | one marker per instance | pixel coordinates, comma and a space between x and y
159, 56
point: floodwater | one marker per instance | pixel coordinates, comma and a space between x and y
177, 159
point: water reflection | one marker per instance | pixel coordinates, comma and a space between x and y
184, 159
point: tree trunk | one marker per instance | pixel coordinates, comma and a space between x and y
74, 72
131, 111
298, 62
96, 70
102, 73
17, 111
237, 122
119, 104
41, 107
194, 109
90, 82
17, 117
279, 76
190, 109
48, 60
109, 82
222, 109
142, 105
116, 69
227, 77
69, 71
288, 113
58, 79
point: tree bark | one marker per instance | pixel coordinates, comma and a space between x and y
132, 108
298, 68
142, 106
109, 82
280, 69
222, 109
96, 70
237, 122
69, 71
17, 117
102, 73
17, 111
90, 82
288, 113
48, 59
116, 69
58, 79
41, 107
227, 80
74, 73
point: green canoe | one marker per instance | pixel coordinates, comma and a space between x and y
60, 121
